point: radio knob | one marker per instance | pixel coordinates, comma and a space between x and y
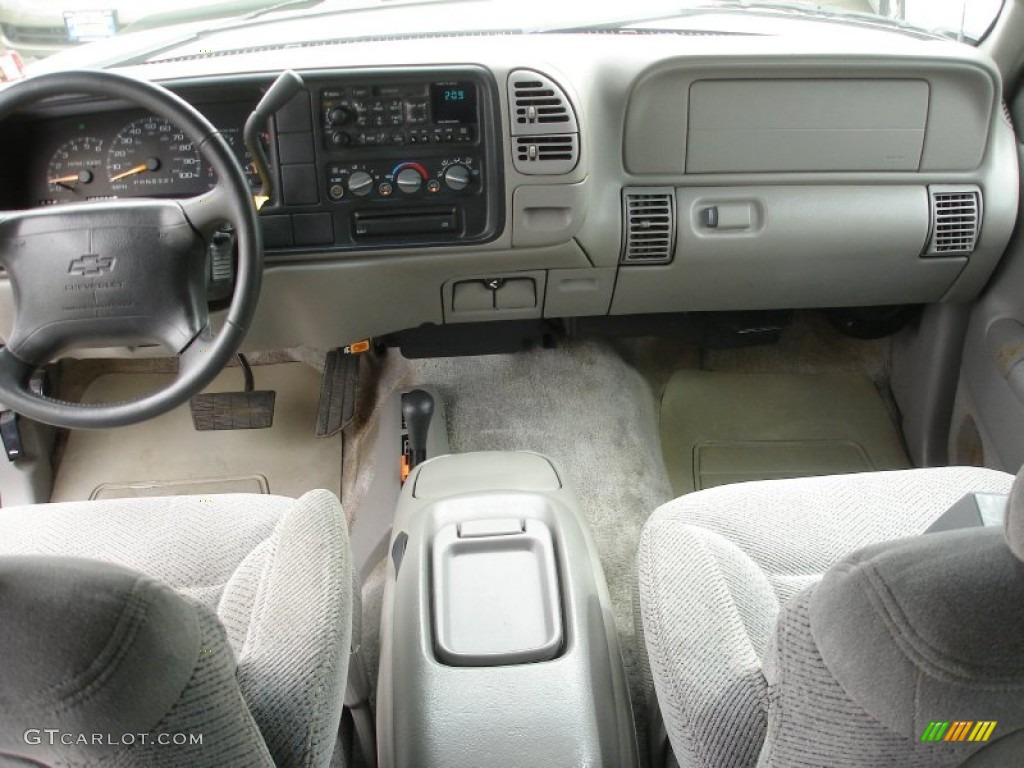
360, 183
340, 139
409, 180
457, 177
337, 116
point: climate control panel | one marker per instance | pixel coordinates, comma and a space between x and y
424, 178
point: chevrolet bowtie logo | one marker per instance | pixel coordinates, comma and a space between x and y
91, 265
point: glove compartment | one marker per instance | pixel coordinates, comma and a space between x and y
773, 247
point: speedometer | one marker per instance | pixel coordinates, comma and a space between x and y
150, 156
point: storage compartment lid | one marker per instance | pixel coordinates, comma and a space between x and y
495, 593
485, 471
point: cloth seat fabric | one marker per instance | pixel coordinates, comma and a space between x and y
716, 568
271, 580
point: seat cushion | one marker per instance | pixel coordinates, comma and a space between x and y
192, 543
276, 571
716, 566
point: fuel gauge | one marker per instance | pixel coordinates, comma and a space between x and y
73, 167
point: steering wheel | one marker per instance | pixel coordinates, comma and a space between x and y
124, 272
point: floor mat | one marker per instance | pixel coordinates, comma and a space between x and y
719, 428
169, 456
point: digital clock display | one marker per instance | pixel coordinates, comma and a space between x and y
453, 102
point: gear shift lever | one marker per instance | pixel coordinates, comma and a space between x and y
418, 409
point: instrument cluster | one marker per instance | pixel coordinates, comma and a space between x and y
127, 154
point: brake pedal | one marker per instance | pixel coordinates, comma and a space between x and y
251, 409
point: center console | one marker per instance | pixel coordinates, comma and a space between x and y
498, 645
386, 158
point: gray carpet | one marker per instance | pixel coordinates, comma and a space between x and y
581, 405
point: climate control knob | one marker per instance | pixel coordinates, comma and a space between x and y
457, 177
360, 183
409, 180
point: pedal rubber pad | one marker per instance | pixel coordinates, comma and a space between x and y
233, 410
337, 392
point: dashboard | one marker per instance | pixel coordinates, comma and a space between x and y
363, 161
580, 176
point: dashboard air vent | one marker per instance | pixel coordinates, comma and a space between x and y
956, 220
544, 127
648, 225
538, 105
549, 154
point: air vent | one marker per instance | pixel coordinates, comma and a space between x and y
546, 154
546, 134
538, 105
649, 225
956, 220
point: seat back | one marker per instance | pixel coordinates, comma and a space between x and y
275, 572
906, 653
105, 666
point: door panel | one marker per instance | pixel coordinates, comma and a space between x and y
988, 414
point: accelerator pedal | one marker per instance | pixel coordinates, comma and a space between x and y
338, 388
251, 409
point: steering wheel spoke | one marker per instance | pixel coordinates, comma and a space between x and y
209, 210
9, 222
124, 272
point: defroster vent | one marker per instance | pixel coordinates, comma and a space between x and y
956, 220
544, 128
649, 225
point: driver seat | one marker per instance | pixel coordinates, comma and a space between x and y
227, 617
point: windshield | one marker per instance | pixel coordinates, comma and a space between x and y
34, 29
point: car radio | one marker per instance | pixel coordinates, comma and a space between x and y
409, 157
398, 114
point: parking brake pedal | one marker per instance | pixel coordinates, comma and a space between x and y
338, 389
250, 409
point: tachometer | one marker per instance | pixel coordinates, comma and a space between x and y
74, 167
149, 156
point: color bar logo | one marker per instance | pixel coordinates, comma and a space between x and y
959, 730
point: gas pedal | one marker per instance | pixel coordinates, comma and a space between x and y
338, 389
